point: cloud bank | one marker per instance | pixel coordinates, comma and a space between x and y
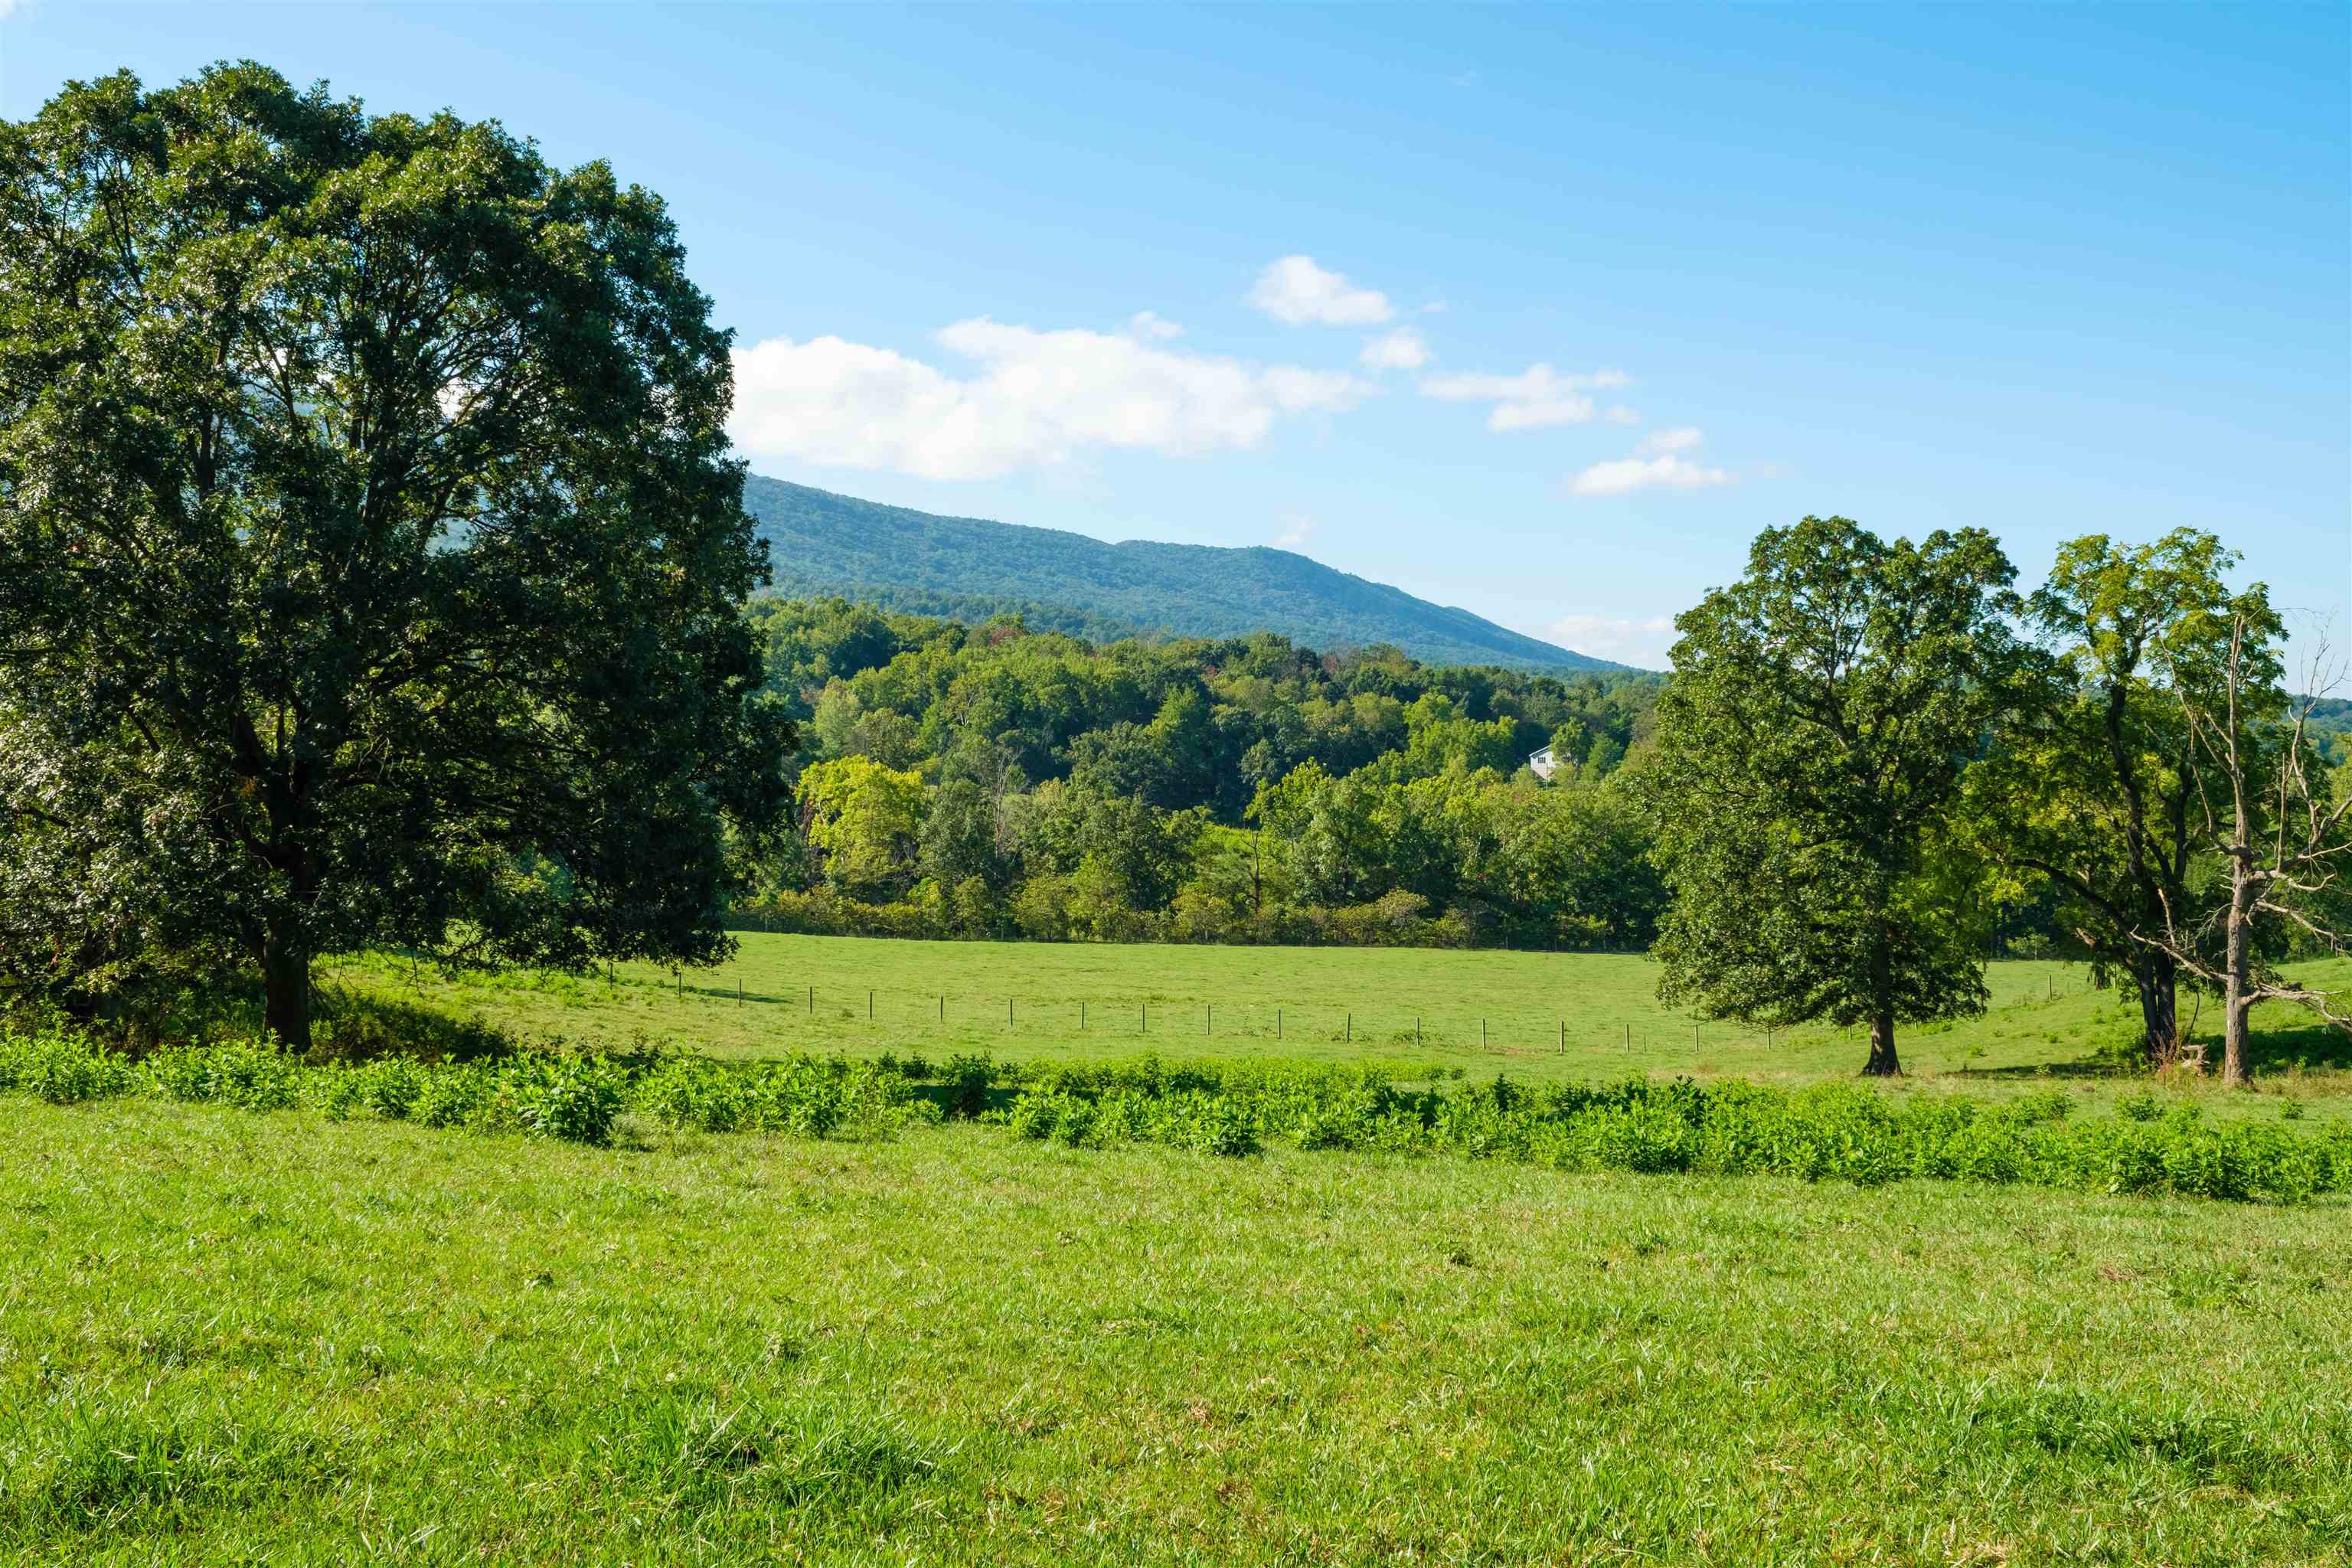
1034, 399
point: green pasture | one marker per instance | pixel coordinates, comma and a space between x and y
1539, 1017
229, 1337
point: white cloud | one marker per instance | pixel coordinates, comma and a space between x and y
1623, 639
1404, 349
9, 8
1657, 463
1152, 324
1038, 398
1536, 398
1296, 529
1618, 414
1295, 291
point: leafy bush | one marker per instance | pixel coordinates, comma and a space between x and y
451, 1097
62, 1066
808, 1096
252, 1075
575, 1099
1828, 1133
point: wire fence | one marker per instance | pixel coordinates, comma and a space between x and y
1606, 1025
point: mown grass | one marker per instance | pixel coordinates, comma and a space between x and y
1543, 1017
236, 1336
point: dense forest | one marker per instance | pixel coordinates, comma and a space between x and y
997, 780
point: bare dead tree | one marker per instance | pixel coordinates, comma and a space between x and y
2283, 841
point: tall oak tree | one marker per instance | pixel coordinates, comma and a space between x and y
369, 554
1810, 751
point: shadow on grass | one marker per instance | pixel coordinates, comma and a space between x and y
2310, 1047
359, 1026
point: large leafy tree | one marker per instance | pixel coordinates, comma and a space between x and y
369, 557
1810, 751
2100, 792
866, 823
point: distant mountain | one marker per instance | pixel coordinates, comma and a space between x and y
970, 568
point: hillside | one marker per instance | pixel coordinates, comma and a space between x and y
970, 568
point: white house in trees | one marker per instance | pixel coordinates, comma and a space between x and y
1543, 764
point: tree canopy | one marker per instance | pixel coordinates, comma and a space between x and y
2097, 791
1076, 790
371, 561
1809, 749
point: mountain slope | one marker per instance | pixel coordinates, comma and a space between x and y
826, 543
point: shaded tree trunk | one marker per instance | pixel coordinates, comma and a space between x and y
1883, 1062
286, 986
2157, 978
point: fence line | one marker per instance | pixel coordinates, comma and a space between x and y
1512, 1030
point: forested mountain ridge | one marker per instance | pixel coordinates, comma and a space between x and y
972, 568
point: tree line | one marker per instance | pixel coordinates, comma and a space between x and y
991, 780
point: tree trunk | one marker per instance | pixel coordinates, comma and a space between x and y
2237, 997
2157, 978
1882, 1063
286, 986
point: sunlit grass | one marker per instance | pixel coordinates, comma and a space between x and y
1538, 1016
229, 1336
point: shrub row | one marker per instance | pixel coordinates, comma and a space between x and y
1052, 909
576, 1098
1827, 1132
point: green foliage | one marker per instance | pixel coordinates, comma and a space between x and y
1833, 1131
971, 782
371, 556
576, 1098
2094, 792
61, 1066
1828, 1133
863, 820
809, 1097
1809, 755
252, 1075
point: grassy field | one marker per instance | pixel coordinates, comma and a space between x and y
1540, 1016
229, 1337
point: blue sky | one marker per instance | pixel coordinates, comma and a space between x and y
1540, 312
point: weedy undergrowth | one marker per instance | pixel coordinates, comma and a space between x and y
1833, 1131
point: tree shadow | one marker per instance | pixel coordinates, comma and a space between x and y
2085, 1068
2315, 1046
356, 1025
